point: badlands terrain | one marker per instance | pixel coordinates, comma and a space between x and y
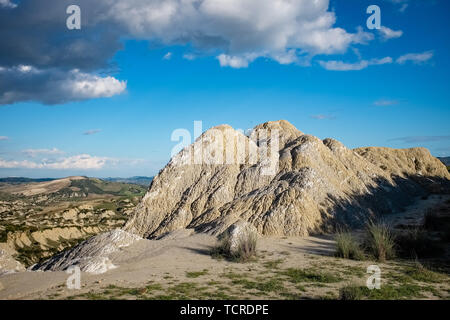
297, 195
41, 218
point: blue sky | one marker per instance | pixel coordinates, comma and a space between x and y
377, 98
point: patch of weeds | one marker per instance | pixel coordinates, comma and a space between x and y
271, 285
273, 264
196, 274
420, 273
386, 292
308, 275
154, 287
301, 288
291, 296
92, 296
221, 295
352, 271
380, 241
348, 247
232, 275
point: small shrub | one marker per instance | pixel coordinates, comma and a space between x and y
380, 241
352, 292
348, 247
246, 248
242, 248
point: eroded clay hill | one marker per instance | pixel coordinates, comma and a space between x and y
292, 185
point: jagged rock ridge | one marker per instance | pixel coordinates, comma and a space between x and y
317, 184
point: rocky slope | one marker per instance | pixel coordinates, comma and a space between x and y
317, 185
41, 218
297, 186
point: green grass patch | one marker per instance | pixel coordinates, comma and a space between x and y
348, 247
309, 275
273, 264
196, 274
386, 292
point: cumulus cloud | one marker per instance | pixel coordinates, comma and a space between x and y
236, 62
3, 138
91, 132
189, 56
243, 30
388, 33
416, 58
239, 30
7, 4
54, 86
335, 65
38, 152
168, 56
82, 161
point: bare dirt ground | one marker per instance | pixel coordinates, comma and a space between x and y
286, 268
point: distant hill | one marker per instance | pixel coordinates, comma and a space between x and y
143, 181
445, 160
140, 180
20, 180
72, 187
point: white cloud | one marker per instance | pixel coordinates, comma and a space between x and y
7, 4
91, 132
189, 56
236, 61
241, 30
167, 56
404, 4
52, 86
323, 117
416, 58
3, 138
403, 7
334, 65
385, 102
388, 33
82, 161
87, 86
37, 152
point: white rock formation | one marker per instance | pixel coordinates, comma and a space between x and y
316, 185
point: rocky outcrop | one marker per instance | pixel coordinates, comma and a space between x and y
225, 176
7, 262
238, 233
92, 255
276, 181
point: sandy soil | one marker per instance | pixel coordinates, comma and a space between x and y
170, 262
